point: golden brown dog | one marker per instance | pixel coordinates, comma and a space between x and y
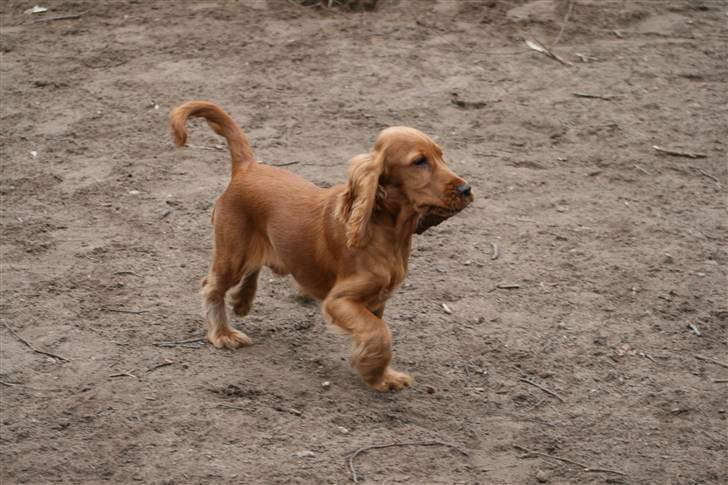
347, 245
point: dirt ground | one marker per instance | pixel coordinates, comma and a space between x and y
608, 250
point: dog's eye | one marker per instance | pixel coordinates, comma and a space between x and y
419, 161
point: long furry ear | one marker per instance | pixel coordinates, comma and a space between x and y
355, 206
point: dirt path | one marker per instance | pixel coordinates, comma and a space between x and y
615, 248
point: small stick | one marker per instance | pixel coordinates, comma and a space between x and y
593, 96
508, 286
125, 374
27, 344
284, 164
132, 312
213, 148
493, 250
163, 364
544, 389
695, 330
281, 409
180, 342
676, 153
642, 170
15, 384
566, 460
62, 17
711, 177
355, 453
539, 47
232, 407
649, 357
720, 381
708, 359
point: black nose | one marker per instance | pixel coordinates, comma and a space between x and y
464, 189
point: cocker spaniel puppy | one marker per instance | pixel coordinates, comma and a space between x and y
346, 245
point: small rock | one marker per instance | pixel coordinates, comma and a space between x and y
430, 389
326, 385
133, 192
342, 430
542, 476
446, 309
305, 454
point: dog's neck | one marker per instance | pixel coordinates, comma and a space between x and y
394, 210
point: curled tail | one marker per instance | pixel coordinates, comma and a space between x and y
240, 151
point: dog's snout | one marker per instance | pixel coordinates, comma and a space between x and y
464, 189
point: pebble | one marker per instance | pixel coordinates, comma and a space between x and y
305, 454
326, 384
542, 476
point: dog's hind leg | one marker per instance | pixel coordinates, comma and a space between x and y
219, 332
241, 297
232, 260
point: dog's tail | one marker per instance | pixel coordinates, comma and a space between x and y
220, 122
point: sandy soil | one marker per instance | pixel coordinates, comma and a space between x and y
615, 248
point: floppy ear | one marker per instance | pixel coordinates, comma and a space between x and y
355, 206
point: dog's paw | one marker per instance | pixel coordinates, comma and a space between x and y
392, 381
231, 339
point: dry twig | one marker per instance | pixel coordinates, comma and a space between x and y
706, 174
40, 389
720, 381
677, 153
542, 49
62, 17
355, 453
214, 148
648, 357
161, 364
182, 343
642, 170
27, 344
708, 359
131, 312
228, 406
125, 374
593, 96
544, 389
586, 468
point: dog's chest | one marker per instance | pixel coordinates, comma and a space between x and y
395, 279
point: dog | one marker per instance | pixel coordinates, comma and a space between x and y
347, 246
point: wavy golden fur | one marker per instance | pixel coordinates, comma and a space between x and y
347, 245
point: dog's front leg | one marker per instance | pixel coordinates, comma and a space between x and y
372, 342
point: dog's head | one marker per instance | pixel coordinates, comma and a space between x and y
410, 162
